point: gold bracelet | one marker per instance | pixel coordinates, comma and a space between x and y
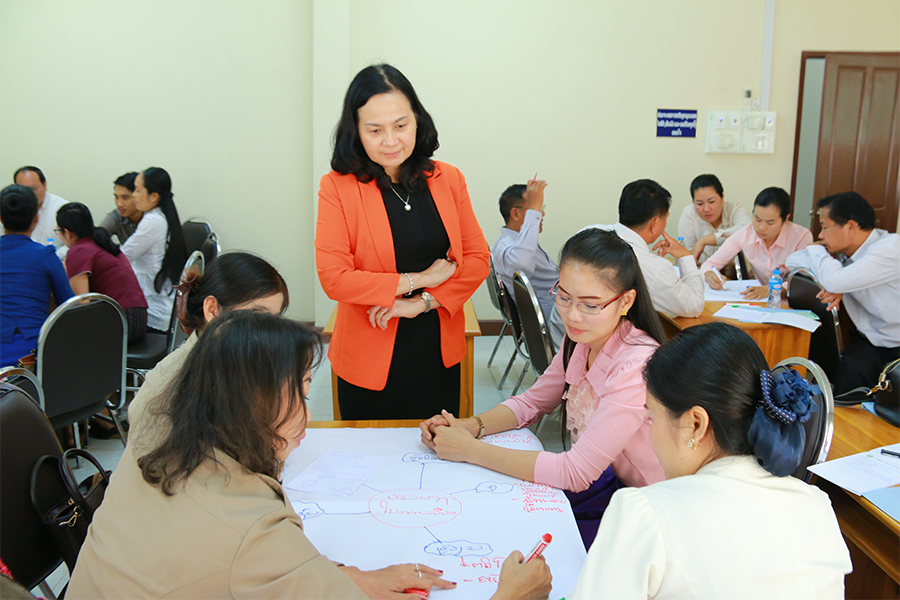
480, 427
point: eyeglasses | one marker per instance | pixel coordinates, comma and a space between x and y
584, 308
58, 231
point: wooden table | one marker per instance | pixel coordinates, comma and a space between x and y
872, 536
364, 424
777, 342
466, 371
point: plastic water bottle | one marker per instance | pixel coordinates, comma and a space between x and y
681, 240
51, 242
775, 282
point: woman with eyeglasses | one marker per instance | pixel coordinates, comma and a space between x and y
611, 331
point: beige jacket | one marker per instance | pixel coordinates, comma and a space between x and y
225, 533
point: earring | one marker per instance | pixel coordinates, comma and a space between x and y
624, 313
693, 444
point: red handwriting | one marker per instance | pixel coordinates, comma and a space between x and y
536, 497
483, 563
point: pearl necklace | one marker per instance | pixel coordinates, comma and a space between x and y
405, 202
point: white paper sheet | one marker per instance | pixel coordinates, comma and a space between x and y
780, 317
336, 473
863, 472
730, 293
457, 517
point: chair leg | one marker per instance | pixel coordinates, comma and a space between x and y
119, 428
508, 367
46, 590
497, 345
521, 377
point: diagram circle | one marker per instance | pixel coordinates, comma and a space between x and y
414, 508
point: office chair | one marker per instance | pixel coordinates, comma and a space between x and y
820, 426
825, 343
495, 289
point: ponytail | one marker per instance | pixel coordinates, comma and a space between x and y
157, 181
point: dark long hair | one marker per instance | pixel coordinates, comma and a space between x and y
157, 181
725, 382
614, 262
229, 396
76, 218
350, 157
233, 279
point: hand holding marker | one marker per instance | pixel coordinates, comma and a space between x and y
540, 547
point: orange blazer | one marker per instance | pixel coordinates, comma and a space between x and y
356, 266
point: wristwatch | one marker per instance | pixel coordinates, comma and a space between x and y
427, 298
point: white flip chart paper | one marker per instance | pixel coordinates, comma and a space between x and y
417, 508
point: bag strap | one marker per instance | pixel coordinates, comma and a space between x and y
862, 394
568, 348
68, 477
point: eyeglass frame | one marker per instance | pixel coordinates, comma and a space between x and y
554, 293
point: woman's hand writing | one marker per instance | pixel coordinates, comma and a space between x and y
755, 292
713, 280
520, 580
391, 581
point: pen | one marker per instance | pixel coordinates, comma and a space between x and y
890, 452
535, 177
719, 275
541, 545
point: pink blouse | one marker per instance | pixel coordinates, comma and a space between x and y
607, 416
762, 260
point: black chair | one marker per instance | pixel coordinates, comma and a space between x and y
825, 343
199, 235
495, 289
820, 426
509, 306
25, 436
81, 360
145, 354
740, 266
534, 324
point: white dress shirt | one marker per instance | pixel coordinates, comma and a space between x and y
520, 251
732, 530
679, 295
692, 226
869, 281
145, 250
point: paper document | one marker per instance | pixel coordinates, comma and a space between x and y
336, 473
887, 500
777, 317
863, 472
731, 291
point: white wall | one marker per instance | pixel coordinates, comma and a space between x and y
221, 94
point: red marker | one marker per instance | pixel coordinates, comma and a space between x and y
541, 545
422, 593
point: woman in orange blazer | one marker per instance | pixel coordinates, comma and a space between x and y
399, 247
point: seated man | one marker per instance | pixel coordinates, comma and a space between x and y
643, 213
517, 249
863, 271
29, 274
48, 205
122, 221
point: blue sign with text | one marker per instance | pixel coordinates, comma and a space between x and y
671, 122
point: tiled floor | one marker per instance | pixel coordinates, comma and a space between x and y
108, 452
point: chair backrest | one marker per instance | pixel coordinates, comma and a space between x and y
820, 426
25, 436
211, 248
197, 262
825, 343
25, 380
740, 266
509, 308
82, 351
494, 289
195, 231
534, 325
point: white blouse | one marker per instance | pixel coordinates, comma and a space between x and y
732, 530
145, 250
692, 226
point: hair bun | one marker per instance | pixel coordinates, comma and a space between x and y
776, 432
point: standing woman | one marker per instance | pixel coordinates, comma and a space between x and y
399, 247
96, 264
156, 249
607, 312
709, 219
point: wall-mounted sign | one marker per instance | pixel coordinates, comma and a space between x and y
672, 122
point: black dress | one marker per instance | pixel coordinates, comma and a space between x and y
418, 385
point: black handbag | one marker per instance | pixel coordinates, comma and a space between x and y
65, 507
885, 394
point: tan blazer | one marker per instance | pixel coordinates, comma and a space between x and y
224, 534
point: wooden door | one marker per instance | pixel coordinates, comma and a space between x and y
859, 136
